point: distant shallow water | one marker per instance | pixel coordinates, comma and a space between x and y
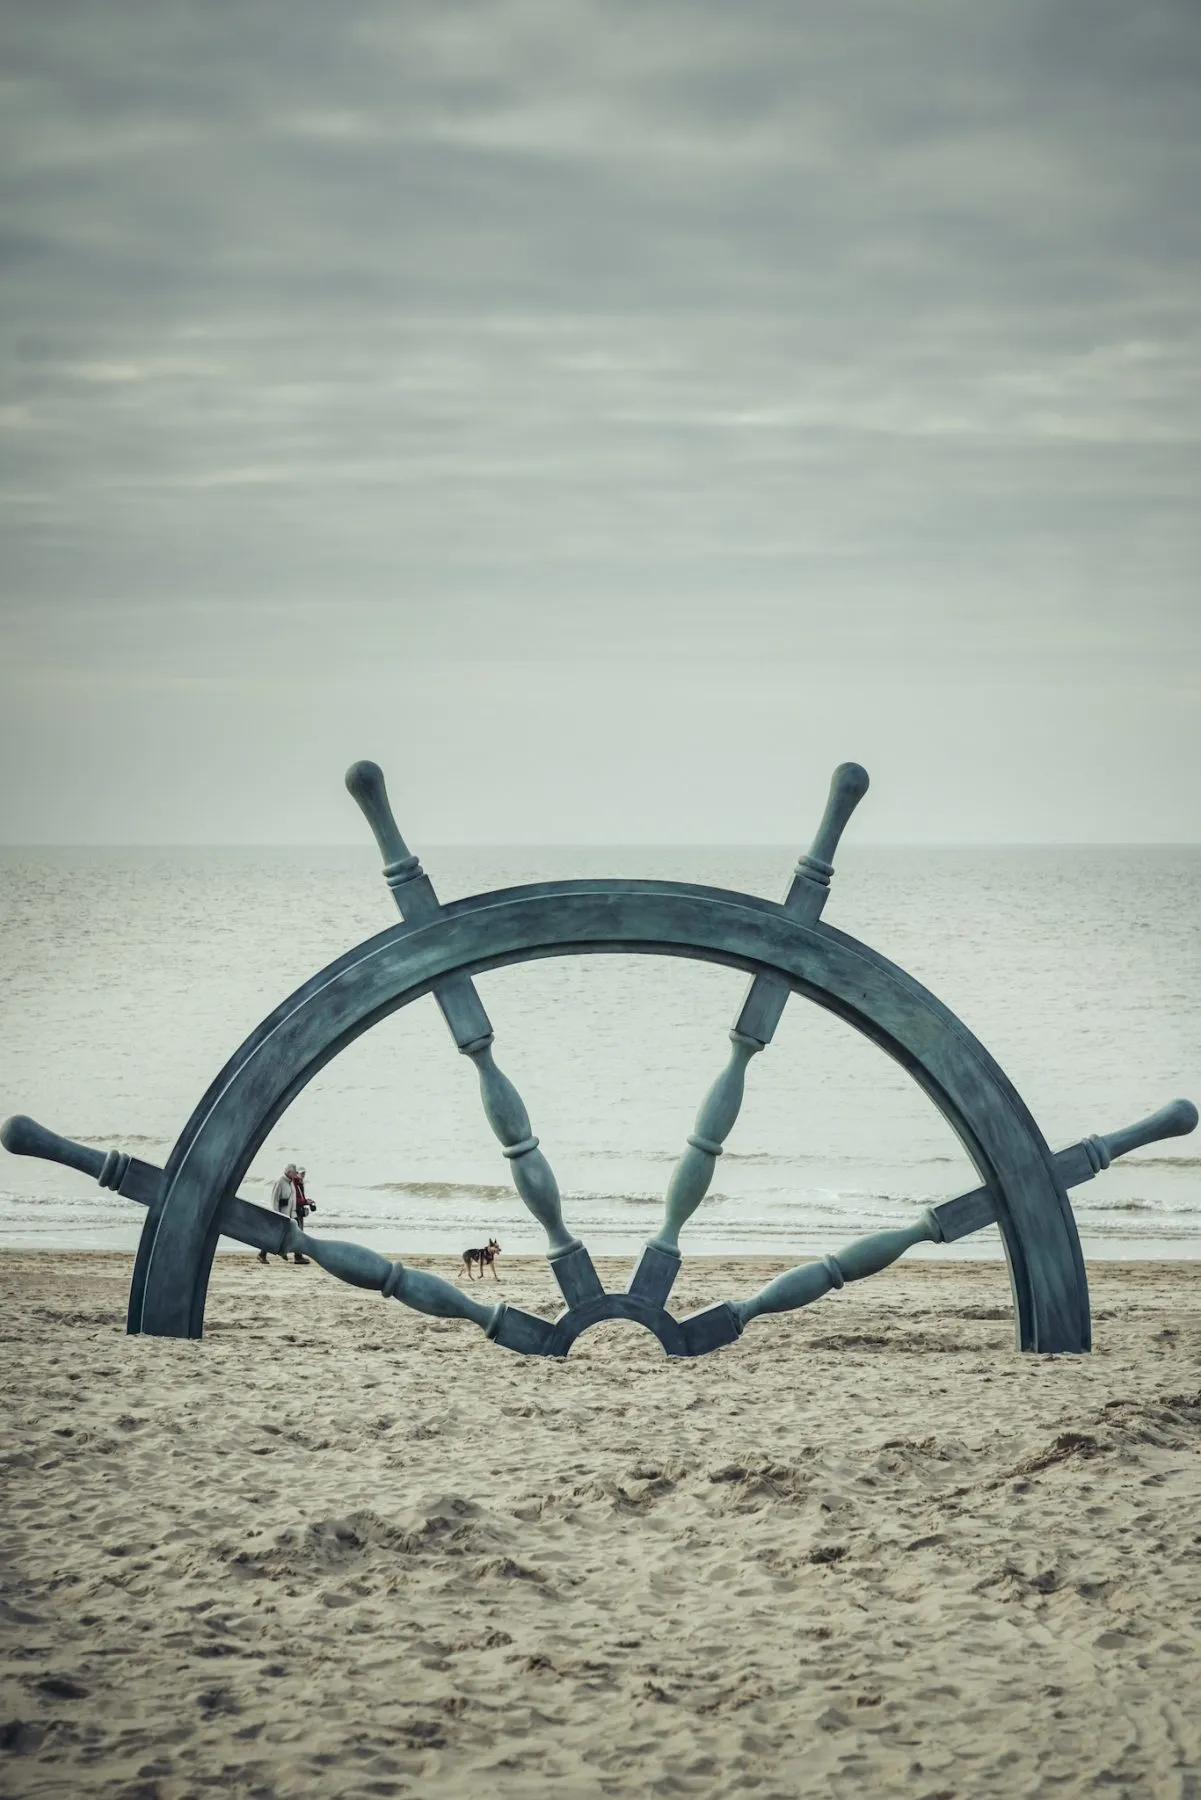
128, 977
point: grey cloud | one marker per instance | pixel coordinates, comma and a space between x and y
864, 338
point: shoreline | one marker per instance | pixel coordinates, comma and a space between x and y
527, 1280
1118, 1253
438, 1262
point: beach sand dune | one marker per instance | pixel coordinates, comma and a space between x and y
336, 1549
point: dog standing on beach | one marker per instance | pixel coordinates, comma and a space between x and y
485, 1259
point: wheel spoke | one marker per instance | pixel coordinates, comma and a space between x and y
423, 1292
941, 1224
695, 1335
761, 1012
469, 1025
809, 1281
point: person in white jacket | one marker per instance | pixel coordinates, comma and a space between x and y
283, 1202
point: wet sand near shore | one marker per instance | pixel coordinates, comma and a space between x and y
337, 1549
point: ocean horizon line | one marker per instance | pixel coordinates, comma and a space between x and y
590, 844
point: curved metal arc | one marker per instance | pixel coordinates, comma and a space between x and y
355, 965
617, 1306
715, 925
451, 911
1000, 1180
385, 941
358, 960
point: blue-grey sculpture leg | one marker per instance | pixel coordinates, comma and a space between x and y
492, 930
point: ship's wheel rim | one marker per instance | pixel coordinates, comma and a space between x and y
839, 973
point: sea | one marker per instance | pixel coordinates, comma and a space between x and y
128, 976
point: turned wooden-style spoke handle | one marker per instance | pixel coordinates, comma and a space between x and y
848, 784
761, 1012
410, 885
352, 1263
23, 1136
767, 996
953, 1219
137, 1180
1176, 1119
366, 785
693, 1173
809, 1281
124, 1174
532, 1175
471, 1029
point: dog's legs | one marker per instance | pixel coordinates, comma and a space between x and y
492, 1266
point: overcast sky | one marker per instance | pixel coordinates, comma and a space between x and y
608, 417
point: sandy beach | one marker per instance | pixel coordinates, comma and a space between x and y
339, 1549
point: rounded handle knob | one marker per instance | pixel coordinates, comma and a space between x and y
1176, 1119
365, 783
23, 1136
848, 784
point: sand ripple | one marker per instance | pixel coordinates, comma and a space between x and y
338, 1550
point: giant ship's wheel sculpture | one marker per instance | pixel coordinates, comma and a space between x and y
438, 949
